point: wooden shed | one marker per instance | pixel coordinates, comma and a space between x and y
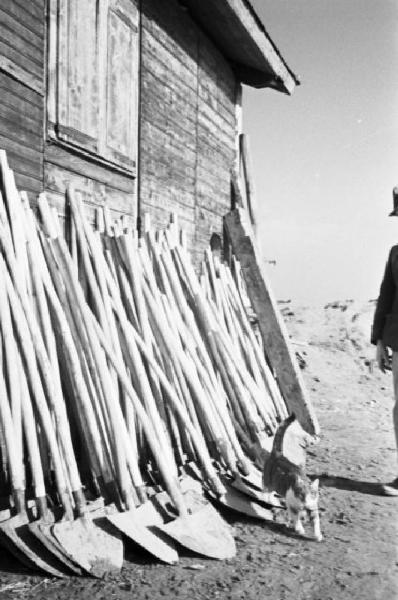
135, 101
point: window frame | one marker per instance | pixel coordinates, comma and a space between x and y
55, 132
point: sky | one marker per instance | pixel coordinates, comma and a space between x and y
325, 159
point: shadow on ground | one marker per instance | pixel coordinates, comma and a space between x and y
351, 485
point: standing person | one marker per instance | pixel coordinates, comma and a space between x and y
385, 332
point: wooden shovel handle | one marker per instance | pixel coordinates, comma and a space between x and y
27, 349
32, 441
14, 457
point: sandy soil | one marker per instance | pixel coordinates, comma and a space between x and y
358, 557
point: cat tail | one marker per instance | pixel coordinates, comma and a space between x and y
280, 433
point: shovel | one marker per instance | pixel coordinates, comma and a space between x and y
139, 525
202, 531
247, 487
234, 499
14, 532
17, 529
129, 522
192, 530
186, 524
40, 528
203, 518
125, 326
186, 539
101, 551
134, 522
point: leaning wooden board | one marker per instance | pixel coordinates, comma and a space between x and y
273, 330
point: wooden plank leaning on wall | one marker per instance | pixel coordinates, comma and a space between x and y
273, 331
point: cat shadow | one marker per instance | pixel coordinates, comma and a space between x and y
350, 485
289, 533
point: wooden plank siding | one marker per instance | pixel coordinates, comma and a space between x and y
187, 122
21, 132
215, 143
22, 35
168, 115
22, 44
97, 184
92, 104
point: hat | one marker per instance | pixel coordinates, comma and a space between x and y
394, 212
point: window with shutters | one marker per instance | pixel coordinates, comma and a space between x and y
93, 78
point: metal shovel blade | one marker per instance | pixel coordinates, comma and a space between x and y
236, 499
203, 532
240, 503
41, 529
17, 538
89, 542
253, 492
255, 478
140, 526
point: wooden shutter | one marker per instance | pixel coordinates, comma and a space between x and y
119, 137
93, 77
78, 73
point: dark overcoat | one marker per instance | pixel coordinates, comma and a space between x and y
385, 322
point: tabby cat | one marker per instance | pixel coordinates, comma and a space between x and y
290, 482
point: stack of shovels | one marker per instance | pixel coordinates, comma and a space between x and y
135, 395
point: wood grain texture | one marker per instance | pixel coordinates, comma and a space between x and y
172, 198
33, 8
187, 114
78, 70
93, 192
14, 93
273, 330
21, 75
22, 12
98, 185
93, 49
25, 160
21, 59
21, 132
188, 123
16, 19
216, 145
21, 43
234, 27
22, 30
57, 155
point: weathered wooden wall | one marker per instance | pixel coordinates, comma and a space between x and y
22, 31
91, 105
97, 185
187, 123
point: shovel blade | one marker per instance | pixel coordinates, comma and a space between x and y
240, 503
255, 479
92, 546
253, 492
203, 532
149, 515
17, 539
42, 531
134, 527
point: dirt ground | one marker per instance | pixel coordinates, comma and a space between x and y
358, 557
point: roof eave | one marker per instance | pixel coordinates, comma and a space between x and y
258, 79
236, 29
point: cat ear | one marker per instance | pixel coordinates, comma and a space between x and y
315, 485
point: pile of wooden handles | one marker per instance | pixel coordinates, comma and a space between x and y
120, 364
